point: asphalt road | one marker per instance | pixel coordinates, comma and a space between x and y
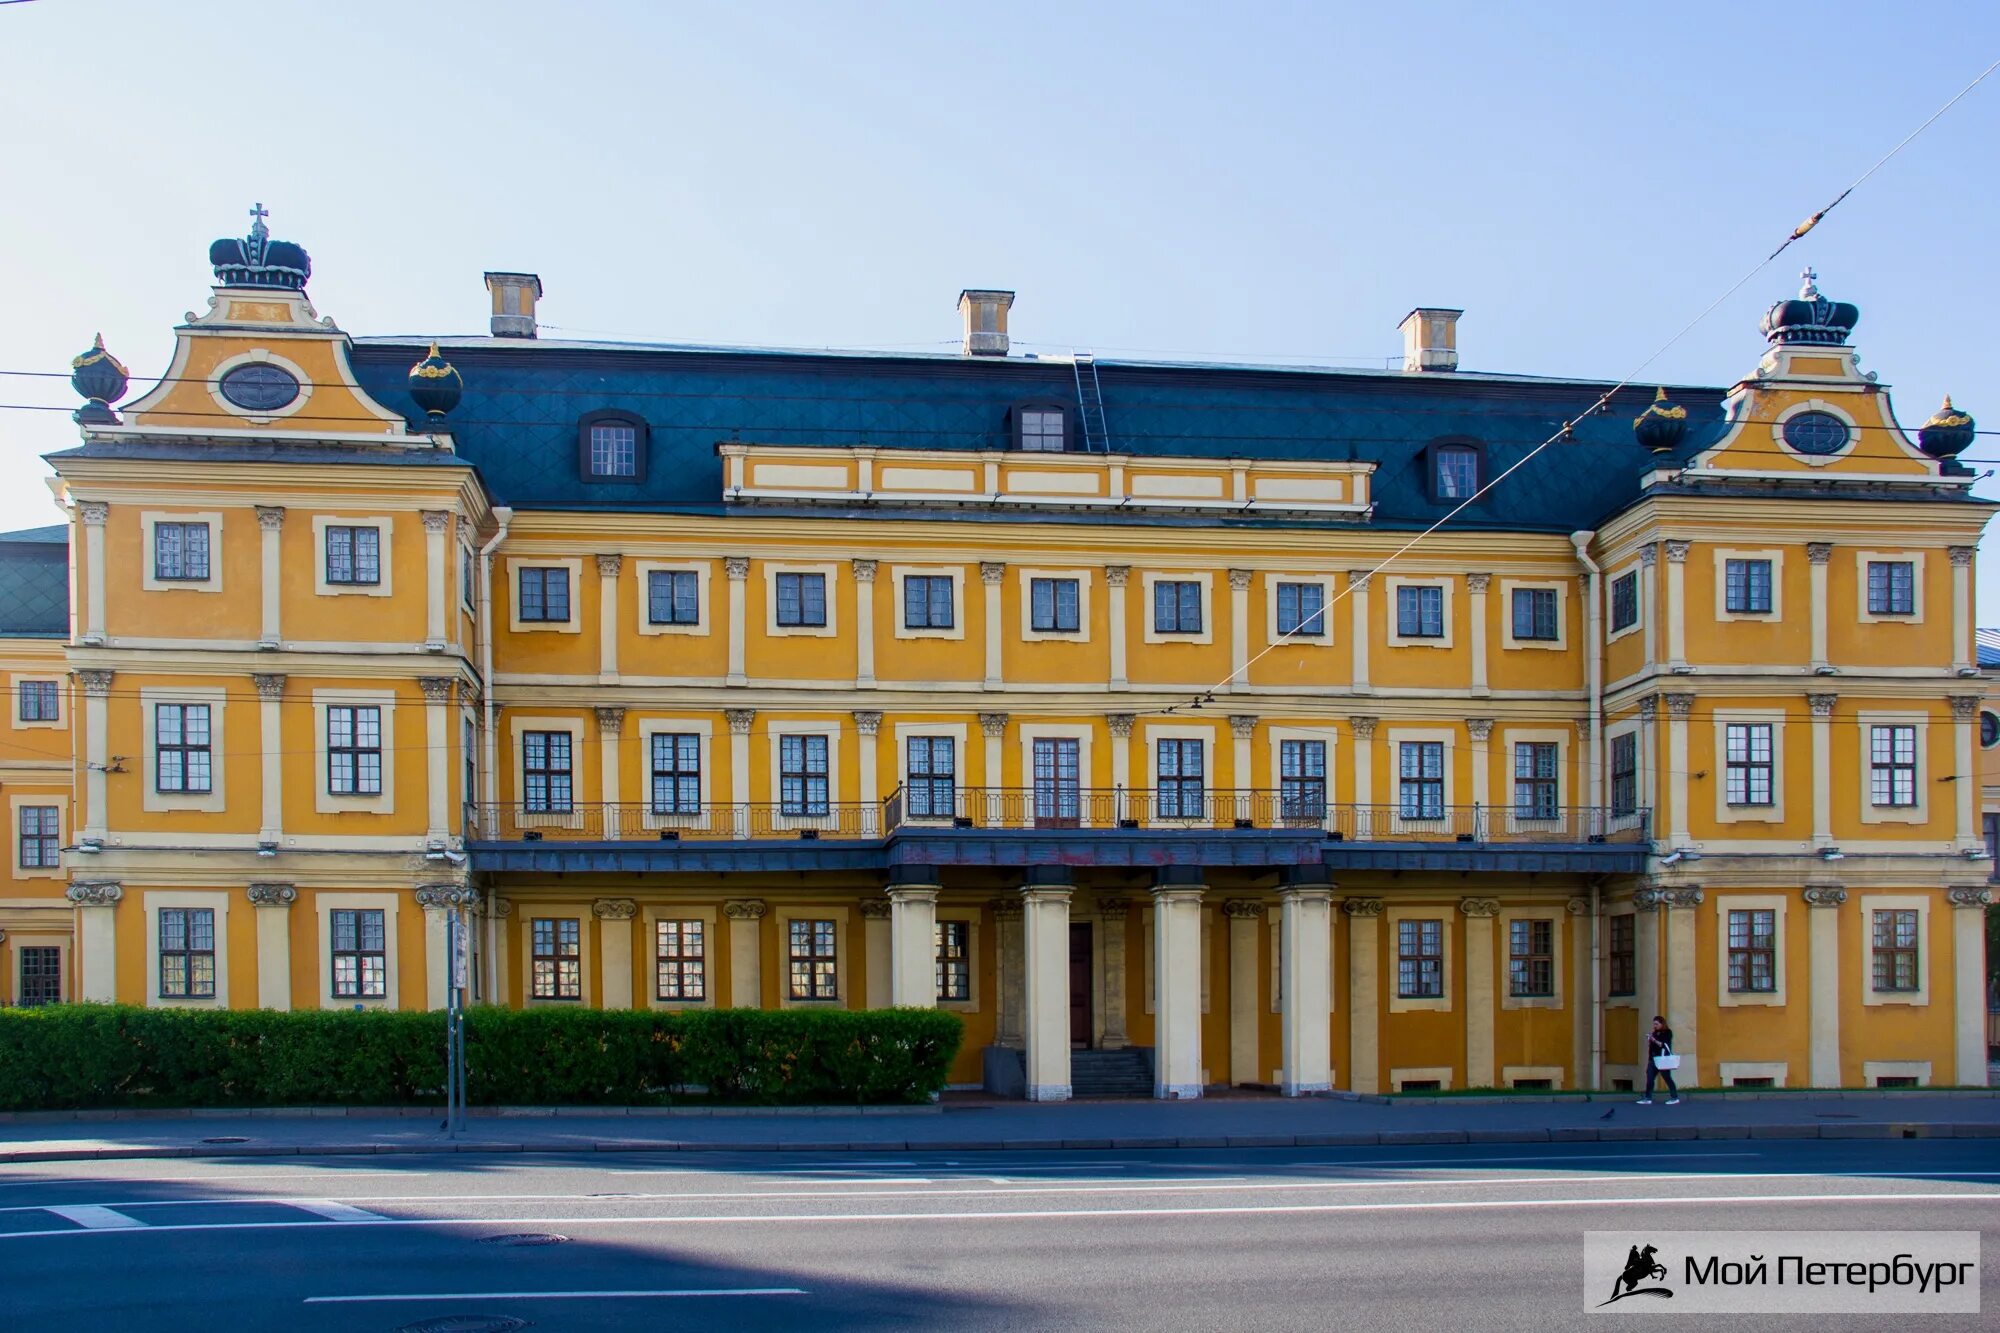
1456, 1237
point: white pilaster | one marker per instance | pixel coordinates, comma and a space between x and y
1121, 758
97, 752
1679, 707
1480, 731
1177, 987
1645, 966
1968, 987
913, 944
94, 513
608, 569
435, 523
1677, 554
1243, 730
1479, 990
739, 720
1114, 602
864, 622
991, 573
876, 948
273, 904
1357, 597
1649, 601
1818, 556
1364, 775
1964, 718
737, 568
1822, 774
610, 740
746, 956
1680, 907
1823, 902
868, 726
270, 733
614, 950
270, 529
1962, 651
1239, 629
1364, 994
1045, 930
97, 940
1305, 987
993, 726
1475, 588
1246, 920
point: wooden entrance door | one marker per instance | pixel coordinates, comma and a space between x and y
1080, 1014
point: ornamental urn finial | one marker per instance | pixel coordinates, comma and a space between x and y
1947, 434
100, 379
436, 385
1662, 425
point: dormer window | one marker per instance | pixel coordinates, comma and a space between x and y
611, 446
1455, 469
1041, 428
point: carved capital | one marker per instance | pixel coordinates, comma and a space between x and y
272, 895
993, 724
1677, 552
269, 685
991, 572
611, 719
864, 571
1961, 556
1479, 728
1819, 553
1364, 727
868, 722
1649, 708
1362, 907
1243, 725
1239, 580
437, 689
745, 909
501, 909
1822, 704
1964, 707
1116, 908
1115, 575
436, 520
1120, 724
1357, 577
876, 909
270, 517
1479, 907
1649, 555
614, 909
95, 512
95, 895
1679, 705
1577, 906
736, 566
438, 897
1242, 909
1004, 909
739, 720
1477, 582
96, 684
1969, 895
1824, 895
609, 566
1647, 900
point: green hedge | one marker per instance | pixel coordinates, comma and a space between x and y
72, 1056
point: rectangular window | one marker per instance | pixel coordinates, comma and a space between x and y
1625, 601
1535, 614
1302, 610
41, 837
1058, 783
1892, 588
182, 763
187, 953
614, 450
1042, 430
1531, 961
41, 975
1990, 826
545, 773
1420, 960
1420, 611
954, 961
680, 961
676, 761
1053, 606
1420, 770
1753, 951
1747, 763
1746, 587
1302, 780
802, 601
815, 974
673, 597
555, 958
471, 752
1622, 960
1625, 774
1895, 949
927, 601
545, 595
354, 751
1177, 608
1892, 766
1182, 776
180, 552
802, 775
38, 701
354, 555
1457, 472
360, 953
468, 585
1535, 781
933, 777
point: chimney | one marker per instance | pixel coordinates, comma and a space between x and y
514, 297
1430, 339
985, 316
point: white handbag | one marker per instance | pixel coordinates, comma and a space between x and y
1667, 1062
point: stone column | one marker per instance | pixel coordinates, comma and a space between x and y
737, 567
1480, 730
746, 956
610, 737
1243, 728
1357, 596
1823, 902
1010, 1009
913, 944
1114, 584
1305, 983
1111, 917
273, 904
876, 946
501, 911
437, 900
1965, 717
1968, 953
994, 727
1364, 992
614, 950
1177, 983
270, 528
1475, 587
1121, 763
97, 939
864, 623
1649, 601
94, 513
991, 572
1045, 927
97, 752
1480, 995
1677, 554
1364, 776
1246, 918
1581, 991
868, 726
1818, 556
1679, 707
1961, 610
437, 756
271, 793
608, 569
435, 523
739, 720
1822, 775
1239, 630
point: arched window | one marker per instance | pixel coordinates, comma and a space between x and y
611, 447
1456, 469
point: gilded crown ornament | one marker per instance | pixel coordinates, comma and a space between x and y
1810, 318
258, 261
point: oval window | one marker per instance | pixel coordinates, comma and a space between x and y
259, 387
1816, 433
1989, 729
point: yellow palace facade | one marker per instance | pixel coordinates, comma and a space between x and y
1127, 709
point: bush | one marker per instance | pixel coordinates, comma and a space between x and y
74, 1056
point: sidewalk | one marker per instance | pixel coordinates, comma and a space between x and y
967, 1124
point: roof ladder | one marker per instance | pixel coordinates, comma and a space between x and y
1090, 404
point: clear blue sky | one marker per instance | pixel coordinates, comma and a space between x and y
1261, 181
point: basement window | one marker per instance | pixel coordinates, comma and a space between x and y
1741, 1082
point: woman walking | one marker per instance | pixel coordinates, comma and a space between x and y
1661, 1062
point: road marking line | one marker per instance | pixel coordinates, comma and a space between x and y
552, 1295
334, 1212
96, 1217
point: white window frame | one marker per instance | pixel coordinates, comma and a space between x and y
588, 943
1889, 902
149, 522
579, 771
1391, 801
384, 531
704, 624
960, 612
1611, 577
20, 678
1328, 595
1150, 751
1508, 587
1391, 596
712, 949
388, 904
1815, 405
255, 356
1776, 903
1776, 557
1503, 971
1920, 813
830, 574
1447, 934
574, 564
704, 731
1725, 813
1915, 560
1274, 738
17, 802
844, 942
1566, 781
216, 901
1148, 579
212, 801
1086, 778
1029, 634
326, 802
955, 732
779, 729
969, 917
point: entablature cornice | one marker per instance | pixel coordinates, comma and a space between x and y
1911, 522
360, 660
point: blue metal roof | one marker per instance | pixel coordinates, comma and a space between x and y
34, 583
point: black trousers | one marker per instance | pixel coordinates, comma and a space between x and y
1654, 1072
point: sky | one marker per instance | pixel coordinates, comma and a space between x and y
1241, 182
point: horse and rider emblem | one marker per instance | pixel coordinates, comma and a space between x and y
1640, 1266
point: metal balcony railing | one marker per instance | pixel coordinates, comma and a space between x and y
642, 822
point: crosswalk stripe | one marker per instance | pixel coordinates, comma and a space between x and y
95, 1217
336, 1212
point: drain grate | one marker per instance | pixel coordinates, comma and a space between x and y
227, 1138
526, 1238
465, 1323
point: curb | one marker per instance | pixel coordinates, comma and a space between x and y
1382, 1138
104, 1116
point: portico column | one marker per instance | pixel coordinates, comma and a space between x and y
437, 900
1961, 610
610, 736
864, 623
1009, 1029
1045, 926
746, 958
97, 940
991, 572
97, 751
737, 567
1239, 630
1475, 587
1823, 902
1357, 595
1364, 776
271, 794
1968, 953
1177, 979
435, 523
608, 567
270, 530
1822, 774
1479, 993
94, 513
614, 946
273, 903
437, 756
1679, 707
994, 727
1364, 918
1964, 717
876, 947
739, 720
1677, 554
868, 725
1305, 983
1111, 917
913, 944
1246, 918
1114, 603
1818, 556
